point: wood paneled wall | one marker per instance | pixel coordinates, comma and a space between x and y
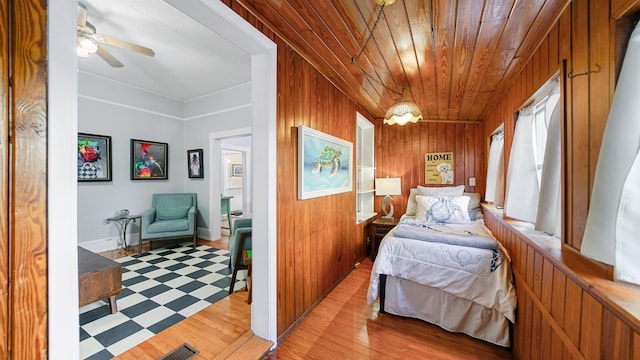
318, 240
400, 151
23, 180
559, 314
585, 39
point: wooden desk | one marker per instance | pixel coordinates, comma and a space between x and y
246, 257
99, 278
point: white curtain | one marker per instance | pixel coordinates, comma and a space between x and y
495, 170
611, 232
521, 201
550, 183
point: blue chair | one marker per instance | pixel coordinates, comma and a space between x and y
172, 216
240, 240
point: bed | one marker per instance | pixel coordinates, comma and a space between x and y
441, 264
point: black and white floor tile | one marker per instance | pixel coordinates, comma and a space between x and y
159, 288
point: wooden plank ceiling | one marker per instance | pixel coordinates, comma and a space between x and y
455, 57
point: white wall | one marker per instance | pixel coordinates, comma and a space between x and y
215, 114
122, 112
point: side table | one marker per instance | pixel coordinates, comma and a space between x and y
246, 257
122, 222
379, 228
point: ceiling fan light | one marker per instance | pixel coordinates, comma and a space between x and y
403, 112
88, 45
385, 2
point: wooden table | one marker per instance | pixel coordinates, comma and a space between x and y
246, 257
99, 278
379, 228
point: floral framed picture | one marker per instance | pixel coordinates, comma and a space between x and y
149, 160
194, 164
94, 157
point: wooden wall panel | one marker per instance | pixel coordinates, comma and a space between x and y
4, 181
583, 38
465, 140
27, 243
568, 319
318, 240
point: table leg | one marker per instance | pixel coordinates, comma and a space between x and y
249, 285
113, 306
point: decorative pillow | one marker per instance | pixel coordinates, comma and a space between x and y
411, 204
475, 212
443, 209
441, 190
172, 213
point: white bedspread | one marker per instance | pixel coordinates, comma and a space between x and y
479, 275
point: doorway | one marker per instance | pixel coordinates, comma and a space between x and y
63, 120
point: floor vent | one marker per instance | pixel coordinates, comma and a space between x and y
182, 352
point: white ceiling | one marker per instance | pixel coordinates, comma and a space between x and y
190, 60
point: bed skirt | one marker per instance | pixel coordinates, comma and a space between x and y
409, 299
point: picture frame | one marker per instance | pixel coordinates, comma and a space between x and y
194, 164
237, 170
325, 164
94, 157
149, 160
438, 168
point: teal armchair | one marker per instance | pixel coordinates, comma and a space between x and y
240, 240
171, 216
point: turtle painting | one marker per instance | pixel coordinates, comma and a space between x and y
329, 157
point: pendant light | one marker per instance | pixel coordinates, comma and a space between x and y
405, 110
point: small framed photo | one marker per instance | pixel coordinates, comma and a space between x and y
94, 157
194, 164
236, 170
149, 160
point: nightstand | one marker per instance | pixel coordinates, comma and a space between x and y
379, 228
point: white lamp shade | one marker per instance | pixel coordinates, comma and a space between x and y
388, 186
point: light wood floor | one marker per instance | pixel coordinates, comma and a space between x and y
342, 326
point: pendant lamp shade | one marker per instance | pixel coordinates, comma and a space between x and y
402, 112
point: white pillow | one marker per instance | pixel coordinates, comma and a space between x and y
411, 203
441, 190
430, 191
475, 212
442, 209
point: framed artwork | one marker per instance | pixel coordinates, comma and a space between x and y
438, 168
149, 160
94, 157
194, 163
325, 164
237, 170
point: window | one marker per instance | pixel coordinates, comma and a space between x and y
533, 178
611, 232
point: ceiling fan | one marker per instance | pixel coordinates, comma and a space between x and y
89, 41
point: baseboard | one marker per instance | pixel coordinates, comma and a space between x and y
204, 234
107, 244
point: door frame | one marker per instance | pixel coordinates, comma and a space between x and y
62, 182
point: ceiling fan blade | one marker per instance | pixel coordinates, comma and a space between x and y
82, 15
108, 57
124, 44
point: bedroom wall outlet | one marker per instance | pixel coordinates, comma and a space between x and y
472, 181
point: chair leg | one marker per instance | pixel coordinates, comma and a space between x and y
233, 279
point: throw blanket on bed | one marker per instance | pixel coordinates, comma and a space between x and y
445, 234
475, 274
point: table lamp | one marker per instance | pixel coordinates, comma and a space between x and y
387, 187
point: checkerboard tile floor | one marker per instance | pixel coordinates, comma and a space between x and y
159, 288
